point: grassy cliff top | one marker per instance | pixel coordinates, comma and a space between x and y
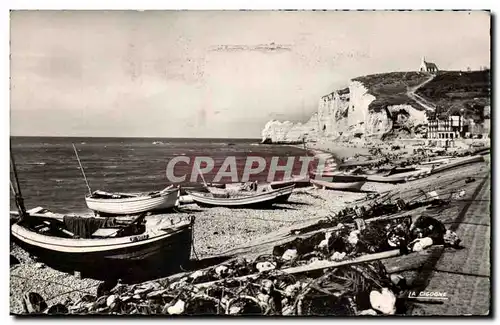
452, 91
391, 88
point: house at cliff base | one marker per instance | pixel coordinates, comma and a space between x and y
450, 128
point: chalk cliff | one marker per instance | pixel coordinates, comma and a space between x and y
288, 132
361, 110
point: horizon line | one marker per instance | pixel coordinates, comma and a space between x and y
128, 137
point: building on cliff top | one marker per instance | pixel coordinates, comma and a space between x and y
428, 66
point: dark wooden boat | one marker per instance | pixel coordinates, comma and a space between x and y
107, 244
264, 196
357, 163
297, 181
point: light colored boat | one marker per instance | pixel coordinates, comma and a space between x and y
442, 160
439, 166
339, 177
242, 198
101, 243
339, 186
132, 203
399, 175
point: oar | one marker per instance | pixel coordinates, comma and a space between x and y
81, 168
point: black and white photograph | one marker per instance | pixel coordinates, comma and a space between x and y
250, 162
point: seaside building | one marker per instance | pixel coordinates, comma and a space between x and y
450, 128
428, 66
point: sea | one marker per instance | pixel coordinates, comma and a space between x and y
50, 176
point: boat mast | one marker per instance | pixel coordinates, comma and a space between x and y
17, 191
81, 168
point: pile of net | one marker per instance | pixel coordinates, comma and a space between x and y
363, 289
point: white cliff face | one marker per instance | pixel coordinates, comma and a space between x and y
358, 114
347, 113
332, 113
289, 132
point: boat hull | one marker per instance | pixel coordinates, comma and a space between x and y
338, 177
260, 199
114, 257
340, 186
352, 164
296, 181
457, 162
399, 178
134, 205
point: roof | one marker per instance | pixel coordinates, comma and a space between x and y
429, 64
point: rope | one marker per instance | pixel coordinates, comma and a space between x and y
74, 290
57, 283
192, 246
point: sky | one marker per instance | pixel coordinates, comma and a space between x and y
216, 74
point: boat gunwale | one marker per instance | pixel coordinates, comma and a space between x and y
134, 199
259, 198
100, 244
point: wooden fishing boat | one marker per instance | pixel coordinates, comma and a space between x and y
339, 177
398, 175
132, 203
441, 160
439, 166
354, 186
483, 151
264, 196
357, 163
85, 243
298, 181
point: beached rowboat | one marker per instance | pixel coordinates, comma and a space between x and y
401, 175
239, 199
298, 181
339, 186
339, 177
398, 176
132, 203
159, 243
357, 163
442, 165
